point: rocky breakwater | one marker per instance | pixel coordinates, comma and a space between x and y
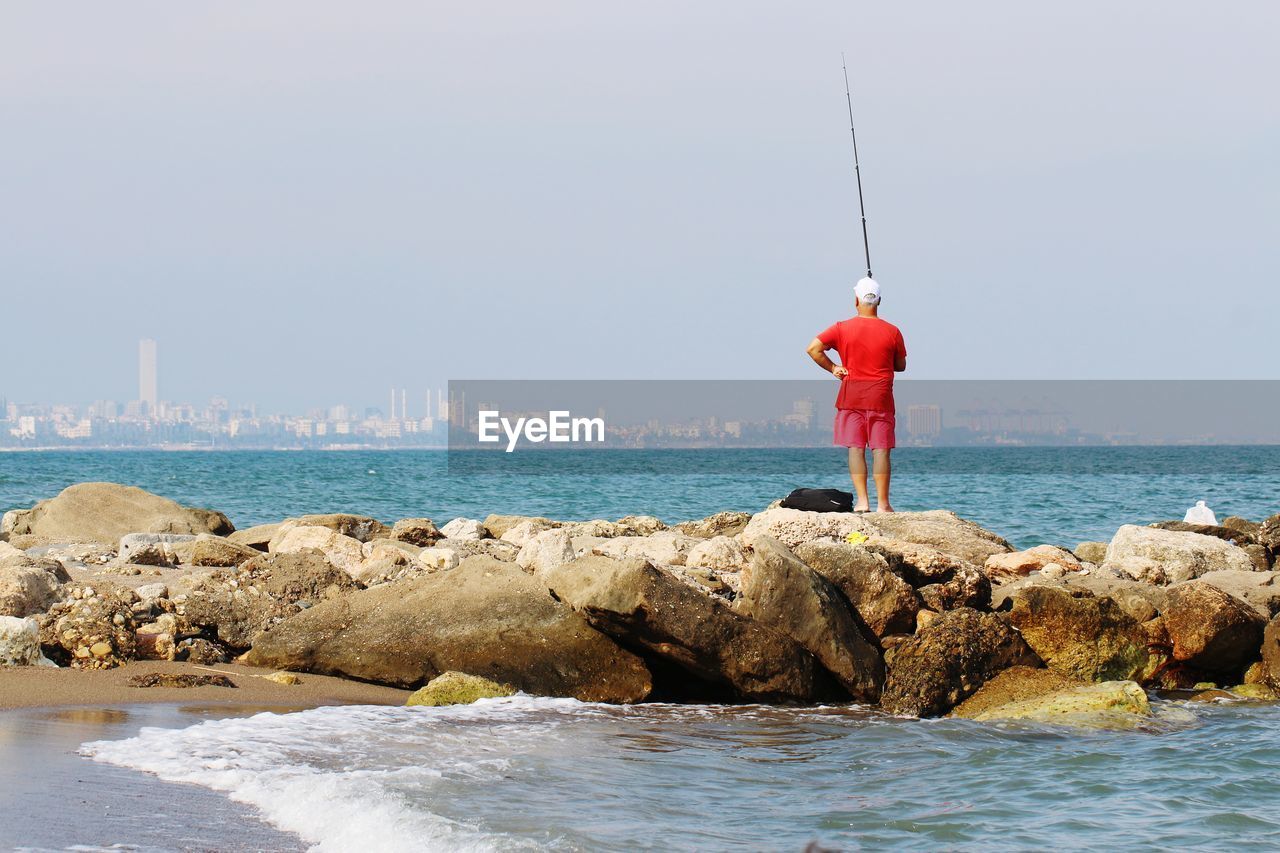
921, 613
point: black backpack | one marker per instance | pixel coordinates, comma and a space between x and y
819, 500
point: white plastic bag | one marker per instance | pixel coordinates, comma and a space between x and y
1201, 514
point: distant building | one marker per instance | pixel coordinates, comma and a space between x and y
147, 385
924, 421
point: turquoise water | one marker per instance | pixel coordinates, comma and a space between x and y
562, 775
1029, 495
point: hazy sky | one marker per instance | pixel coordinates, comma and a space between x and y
306, 202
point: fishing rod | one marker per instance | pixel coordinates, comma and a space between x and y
866, 244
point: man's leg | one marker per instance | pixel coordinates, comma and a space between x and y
882, 470
858, 473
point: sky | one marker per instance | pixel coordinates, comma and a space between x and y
306, 203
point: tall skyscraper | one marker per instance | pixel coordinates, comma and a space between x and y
147, 374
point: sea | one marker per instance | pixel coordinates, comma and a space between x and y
532, 773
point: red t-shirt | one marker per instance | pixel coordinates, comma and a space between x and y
868, 348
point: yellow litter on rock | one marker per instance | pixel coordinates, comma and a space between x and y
856, 538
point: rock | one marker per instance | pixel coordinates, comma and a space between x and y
92, 631
1089, 705
154, 549
416, 531
1091, 552
1181, 555
918, 565
1260, 590
484, 617
665, 548
386, 559
200, 652
648, 608
1271, 651
1269, 534
639, 525
781, 592
463, 548
345, 552
20, 643
1141, 569
1140, 601
937, 669
544, 551
1259, 692
104, 512
1018, 564
464, 528
793, 527
498, 525
257, 537
1243, 525
1015, 684
181, 679
886, 603
458, 688
925, 618
438, 559
728, 524
939, 529
288, 679
520, 534
152, 591
968, 587
717, 552
1210, 629
1263, 560
1079, 634
237, 605
359, 527
1256, 673
217, 551
28, 587
1226, 534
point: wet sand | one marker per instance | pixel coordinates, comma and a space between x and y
34, 687
52, 798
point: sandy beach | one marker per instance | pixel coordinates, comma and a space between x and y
31, 687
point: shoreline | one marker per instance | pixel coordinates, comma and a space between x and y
31, 688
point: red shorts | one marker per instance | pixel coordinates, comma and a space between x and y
865, 428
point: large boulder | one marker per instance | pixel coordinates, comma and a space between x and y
545, 550
257, 537
416, 531
154, 549
919, 565
886, 603
719, 524
968, 587
947, 661
1103, 705
465, 528
780, 591
520, 533
29, 586
1271, 652
1142, 602
1260, 590
1234, 535
793, 527
457, 688
666, 548
1015, 684
360, 527
1080, 634
219, 552
1210, 629
20, 643
484, 617
235, 606
940, 529
343, 551
1018, 564
103, 512
648, 608
724, 553
1181, 555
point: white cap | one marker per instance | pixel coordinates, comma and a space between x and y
868, 291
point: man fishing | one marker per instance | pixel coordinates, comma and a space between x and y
871, 350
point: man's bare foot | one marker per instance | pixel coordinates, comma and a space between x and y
862, 508
884, 508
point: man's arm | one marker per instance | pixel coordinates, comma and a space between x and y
900, 363
818, 352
